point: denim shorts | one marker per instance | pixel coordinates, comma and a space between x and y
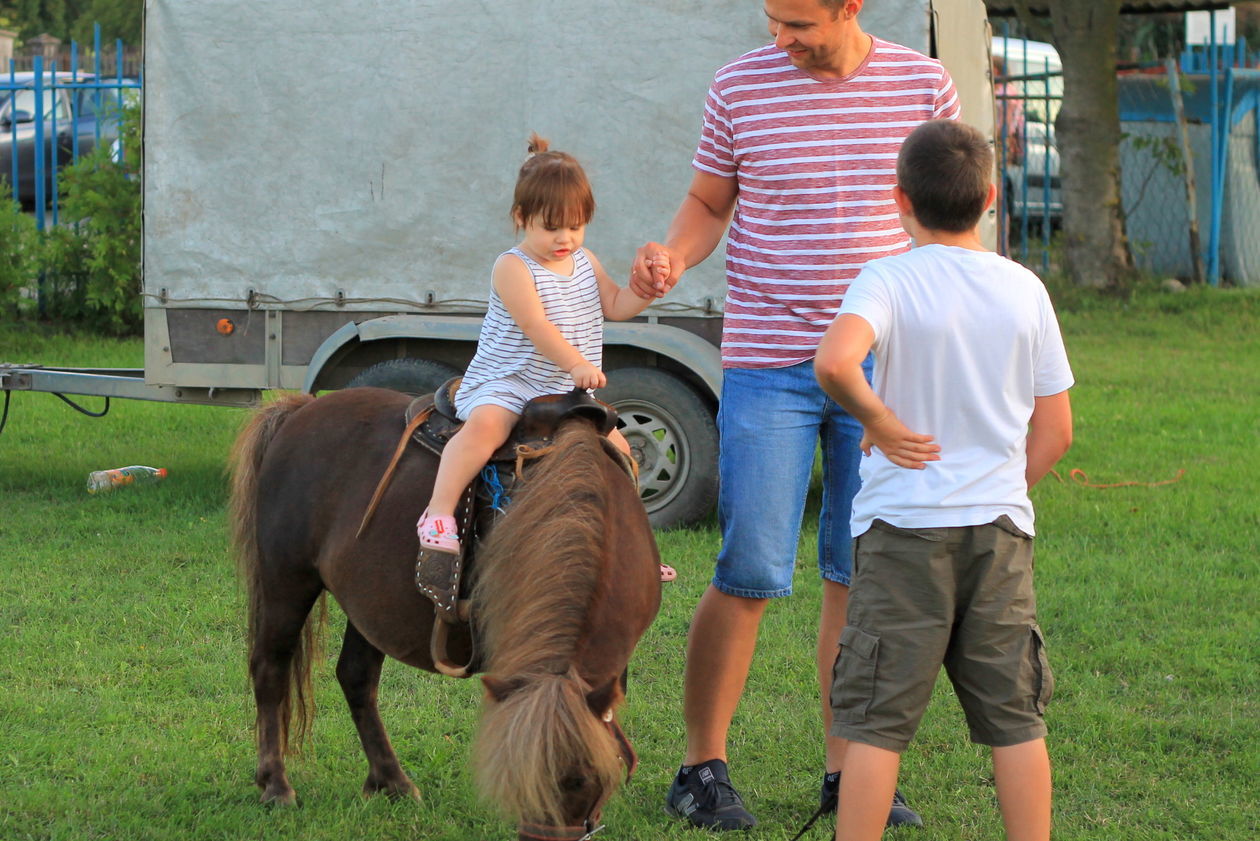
771, 421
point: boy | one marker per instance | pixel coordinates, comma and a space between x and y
968, 411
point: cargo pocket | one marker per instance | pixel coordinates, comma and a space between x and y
853, 675
1043, 678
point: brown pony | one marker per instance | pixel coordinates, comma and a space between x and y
568, 581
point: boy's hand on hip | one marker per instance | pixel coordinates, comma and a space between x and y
586, 375
898, 444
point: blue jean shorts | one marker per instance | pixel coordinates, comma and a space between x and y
771, 421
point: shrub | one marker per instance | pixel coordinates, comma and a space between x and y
91, 262
19, 256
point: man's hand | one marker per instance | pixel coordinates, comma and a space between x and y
655, 270
898, 444
586, 375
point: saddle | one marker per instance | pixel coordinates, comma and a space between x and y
430, 421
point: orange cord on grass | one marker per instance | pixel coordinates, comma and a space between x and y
1080, 478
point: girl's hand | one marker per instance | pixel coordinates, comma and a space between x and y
586, 375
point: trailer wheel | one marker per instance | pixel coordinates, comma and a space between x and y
673, 438
412, 376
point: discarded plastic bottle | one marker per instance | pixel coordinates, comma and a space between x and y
100, 481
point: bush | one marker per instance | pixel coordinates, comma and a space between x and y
91, 262
19, 257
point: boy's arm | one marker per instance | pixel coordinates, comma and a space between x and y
1049, 435
515, 285
617, 302
838, 367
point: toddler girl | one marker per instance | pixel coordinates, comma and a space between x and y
543, 332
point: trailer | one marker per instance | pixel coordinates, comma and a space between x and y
326, 187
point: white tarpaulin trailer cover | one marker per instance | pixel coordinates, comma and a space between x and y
364, 152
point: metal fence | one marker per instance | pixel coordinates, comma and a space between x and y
1189, 159
51, 115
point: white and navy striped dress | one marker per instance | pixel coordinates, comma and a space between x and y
507, 369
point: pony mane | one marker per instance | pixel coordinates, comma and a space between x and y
538, 576
540, 567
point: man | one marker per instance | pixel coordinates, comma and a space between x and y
797, 154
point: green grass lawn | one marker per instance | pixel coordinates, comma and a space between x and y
125, 711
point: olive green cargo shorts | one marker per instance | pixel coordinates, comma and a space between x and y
922, 598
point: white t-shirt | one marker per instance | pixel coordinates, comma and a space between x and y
964, 340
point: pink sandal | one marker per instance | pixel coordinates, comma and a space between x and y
668, 573
440, 533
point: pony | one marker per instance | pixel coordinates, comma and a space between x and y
565, 585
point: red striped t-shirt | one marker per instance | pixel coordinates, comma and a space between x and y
816, 163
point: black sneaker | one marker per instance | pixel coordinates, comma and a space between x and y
899, 815
829, 796
706, 797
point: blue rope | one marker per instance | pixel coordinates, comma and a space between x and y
498, 494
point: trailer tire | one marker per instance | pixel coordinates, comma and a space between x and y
673, 438
410, 376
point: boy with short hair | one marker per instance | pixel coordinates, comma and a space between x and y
969, 409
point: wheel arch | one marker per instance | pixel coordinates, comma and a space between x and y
453, 339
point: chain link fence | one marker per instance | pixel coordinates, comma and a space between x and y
1189, 161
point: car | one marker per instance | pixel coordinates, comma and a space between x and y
79, 110
1029, 155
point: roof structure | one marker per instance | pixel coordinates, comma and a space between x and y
1007, 8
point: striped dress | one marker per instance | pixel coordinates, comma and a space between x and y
507, 369
816, 164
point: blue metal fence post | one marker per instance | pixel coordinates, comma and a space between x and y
1045, 174
1023, 222
13, 144
40, 198
1214, 226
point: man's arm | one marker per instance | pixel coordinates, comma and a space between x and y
838, 367
1049, 435
696, 230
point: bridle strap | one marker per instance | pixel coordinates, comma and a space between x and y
628, 756
588, 828
538, 832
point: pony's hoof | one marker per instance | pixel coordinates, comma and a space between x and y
282, 797
397, 790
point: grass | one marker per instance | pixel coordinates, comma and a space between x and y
125, 712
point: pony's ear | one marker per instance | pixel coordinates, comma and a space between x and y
602, 699
500, 689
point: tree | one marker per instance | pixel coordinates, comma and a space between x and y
1087, 132
118, 19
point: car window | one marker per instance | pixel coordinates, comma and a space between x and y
95, 101
1043, 92
24, 100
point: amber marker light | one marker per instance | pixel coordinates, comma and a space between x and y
225, 326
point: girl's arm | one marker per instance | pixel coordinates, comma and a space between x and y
617, 302
515, 285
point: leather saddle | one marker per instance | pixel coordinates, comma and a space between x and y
431, 421
538, 423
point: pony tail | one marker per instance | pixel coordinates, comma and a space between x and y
537, 145
244, 464
522, 776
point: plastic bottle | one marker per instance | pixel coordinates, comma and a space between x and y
100, 481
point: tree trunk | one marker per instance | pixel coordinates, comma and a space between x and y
1087, 132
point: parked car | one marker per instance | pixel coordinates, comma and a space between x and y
77, 110
1033, 75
